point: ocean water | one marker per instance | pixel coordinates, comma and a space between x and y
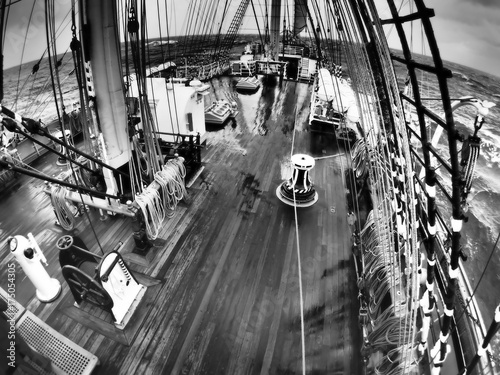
32, 96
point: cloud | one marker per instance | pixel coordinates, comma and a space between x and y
468, 33
467, 11
491, 32
486, 3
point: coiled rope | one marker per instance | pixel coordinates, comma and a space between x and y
152, 209
64, 215
153, 204
171, 180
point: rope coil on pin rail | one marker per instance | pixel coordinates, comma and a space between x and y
153, 204
152, 209
64, 215
171, 180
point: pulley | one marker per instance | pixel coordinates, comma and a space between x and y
133, 24
469, 156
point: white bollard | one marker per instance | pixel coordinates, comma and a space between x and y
29, 256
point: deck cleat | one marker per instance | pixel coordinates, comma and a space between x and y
299, 190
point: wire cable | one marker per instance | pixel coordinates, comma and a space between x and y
299, 267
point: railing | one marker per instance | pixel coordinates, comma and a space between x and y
203, 72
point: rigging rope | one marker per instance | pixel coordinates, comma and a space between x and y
22, 55
389, 250
470, 154
54, 76
151, 144
60, 29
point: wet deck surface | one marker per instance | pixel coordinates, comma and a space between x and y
227, 301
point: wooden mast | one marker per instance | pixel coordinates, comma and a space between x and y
103, 50
275, 29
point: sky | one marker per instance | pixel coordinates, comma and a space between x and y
467, 31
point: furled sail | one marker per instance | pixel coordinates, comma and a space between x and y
300, 17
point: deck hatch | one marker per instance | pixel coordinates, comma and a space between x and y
65, 354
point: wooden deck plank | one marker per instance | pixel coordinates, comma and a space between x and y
151, 336
280, 301
233, 222
239, 348
227, 258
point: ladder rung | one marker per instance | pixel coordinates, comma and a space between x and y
425, 67
410, 17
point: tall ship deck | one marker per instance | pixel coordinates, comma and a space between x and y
285, 205
223, 288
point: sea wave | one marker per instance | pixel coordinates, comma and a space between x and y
460, 74
491, 153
